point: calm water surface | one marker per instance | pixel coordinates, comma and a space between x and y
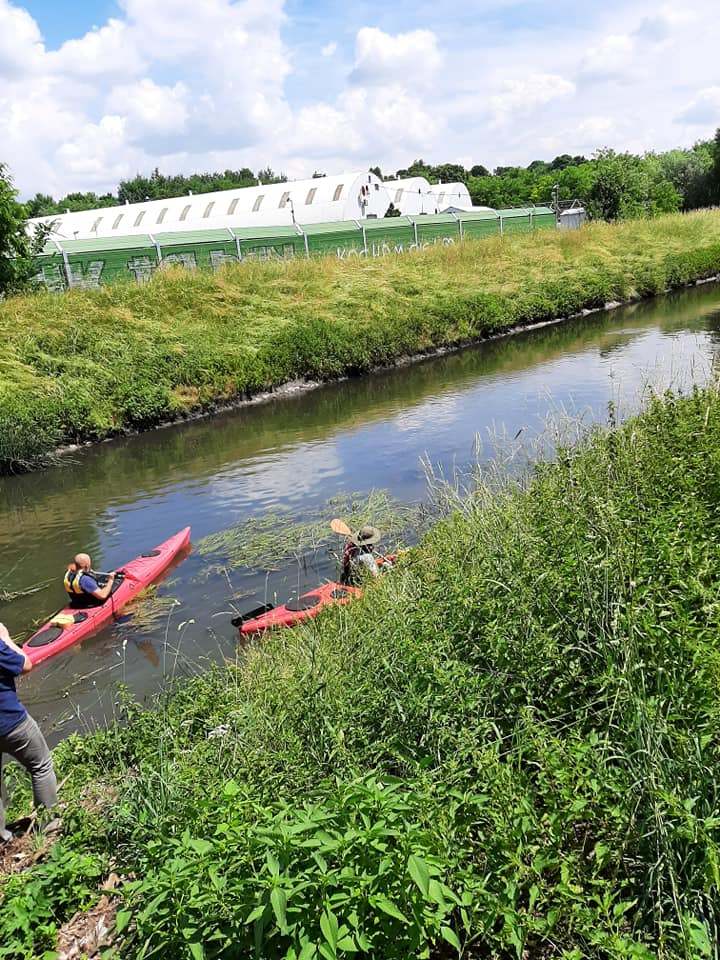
117, 499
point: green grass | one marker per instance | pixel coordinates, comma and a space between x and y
86, 364
509, 748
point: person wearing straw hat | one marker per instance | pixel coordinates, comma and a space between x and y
20, 736
359, 556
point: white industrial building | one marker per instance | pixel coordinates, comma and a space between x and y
414, 196
346, 196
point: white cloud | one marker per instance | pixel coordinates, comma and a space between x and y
704, 109
188, 86
611, 57
107, 51
21, 45
525, 94
382, 58
150, 107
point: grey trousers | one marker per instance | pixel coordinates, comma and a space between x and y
26, 744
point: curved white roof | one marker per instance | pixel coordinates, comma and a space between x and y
411, 196
416, 195
346, 196
450, 195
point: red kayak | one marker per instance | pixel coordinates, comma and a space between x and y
304, 607
138, 574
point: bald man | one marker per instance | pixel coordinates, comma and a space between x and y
81, 584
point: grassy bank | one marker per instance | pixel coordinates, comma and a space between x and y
85, 364
508, 748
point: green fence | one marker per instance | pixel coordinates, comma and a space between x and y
90, 263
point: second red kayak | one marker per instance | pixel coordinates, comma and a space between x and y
50, 640
304, 607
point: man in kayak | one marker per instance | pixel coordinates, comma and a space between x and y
20, 736
81, 583
359, 556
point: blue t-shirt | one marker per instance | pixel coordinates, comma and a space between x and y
87, 583
12, 712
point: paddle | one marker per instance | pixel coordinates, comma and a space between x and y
339, 526
122, 574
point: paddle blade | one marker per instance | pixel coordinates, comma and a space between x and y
339, 526
251, 614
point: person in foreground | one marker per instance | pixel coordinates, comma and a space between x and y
360, 557
20, 736
81, 584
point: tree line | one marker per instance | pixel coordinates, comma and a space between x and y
612, 185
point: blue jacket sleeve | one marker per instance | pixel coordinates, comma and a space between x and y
11, 661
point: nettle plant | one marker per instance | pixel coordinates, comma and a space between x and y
360, 874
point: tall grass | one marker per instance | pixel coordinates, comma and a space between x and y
85, 364
508, 748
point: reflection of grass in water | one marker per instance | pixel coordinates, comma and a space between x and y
266, 542
150, 610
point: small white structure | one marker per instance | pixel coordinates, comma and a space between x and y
450, 195
414, 196
572, 218
346, 196
410, 196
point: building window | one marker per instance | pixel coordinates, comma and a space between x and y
231, 208
311, 195
398, 195
161, 215
338, 191
186, 211
138, 218
208, 210
256, 205
116, 224
96, 225
284, 199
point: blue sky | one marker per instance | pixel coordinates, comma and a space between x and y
93, 92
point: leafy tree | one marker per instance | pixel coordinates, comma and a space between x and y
41, 205
628, 186
17, 249
714, 191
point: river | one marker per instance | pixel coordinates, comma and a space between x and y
116, 499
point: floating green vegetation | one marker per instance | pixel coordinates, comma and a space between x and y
270, 541
151, 609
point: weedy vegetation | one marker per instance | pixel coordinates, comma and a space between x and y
270, 540
508, 748
85, 365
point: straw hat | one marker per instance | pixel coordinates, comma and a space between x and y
366, 537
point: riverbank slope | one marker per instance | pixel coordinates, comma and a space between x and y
507, 748
85, 365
